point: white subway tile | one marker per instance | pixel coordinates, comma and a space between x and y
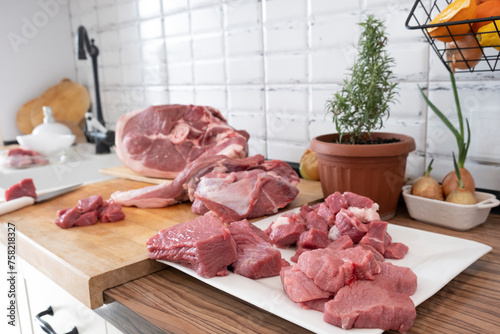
244, 42
182, 94
156, 95
254, 123
111, 76
173, 6
329, 66
285, 127
215, 97
151, 29
107, 15
153, 52
287, 37
132, 74
127, 11
247, 70
334, 31
208, 46
178, 49
277, 10
286, 151
129, 34
110, 57
130, 54
180, 73
288, 100
177, 24
148, 8
206, 19
322, 7
290, 68
243, 13
209, 72
246, 99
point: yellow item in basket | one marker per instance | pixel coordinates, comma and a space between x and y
489, 35
458, 10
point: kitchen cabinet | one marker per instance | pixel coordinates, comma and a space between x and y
68, 311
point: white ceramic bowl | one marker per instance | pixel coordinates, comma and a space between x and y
450, 215
48, 144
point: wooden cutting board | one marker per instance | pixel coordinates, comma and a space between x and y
69, 101
85, 261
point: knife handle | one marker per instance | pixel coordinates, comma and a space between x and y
16, 204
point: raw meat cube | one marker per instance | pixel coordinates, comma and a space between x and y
298, 287
25, 187
203, 244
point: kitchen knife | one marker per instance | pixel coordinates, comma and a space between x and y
21, 202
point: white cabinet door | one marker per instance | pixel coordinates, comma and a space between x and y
68, 311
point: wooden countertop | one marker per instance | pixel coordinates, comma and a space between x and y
170, 301
87, 260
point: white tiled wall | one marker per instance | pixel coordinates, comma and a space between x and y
270, 66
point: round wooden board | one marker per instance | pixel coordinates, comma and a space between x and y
69, 102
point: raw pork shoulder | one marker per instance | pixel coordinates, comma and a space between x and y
233, 189
160, 141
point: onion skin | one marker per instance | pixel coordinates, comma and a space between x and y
450, 182
464, 53
308, 166
461, 196
427, 187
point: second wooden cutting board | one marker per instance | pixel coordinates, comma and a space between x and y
85, 261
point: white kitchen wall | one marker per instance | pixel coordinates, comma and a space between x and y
36, 52
270, 65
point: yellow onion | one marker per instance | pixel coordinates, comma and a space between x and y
426, 186
461, 196
308, 167
464, 53
450, 182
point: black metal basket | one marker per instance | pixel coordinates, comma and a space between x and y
420, 17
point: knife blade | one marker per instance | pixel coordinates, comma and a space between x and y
21, 202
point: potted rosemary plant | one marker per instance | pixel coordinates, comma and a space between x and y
356, 158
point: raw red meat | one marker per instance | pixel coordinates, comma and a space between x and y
395, 250
285, 231
25, 187
313, 238
182, 188
111, 212
346, 223
203, 244
364, 304
328, 271
89, 211
248, 194
397, 278
233, 189
257, 258
20, 157
160, 141
300, 288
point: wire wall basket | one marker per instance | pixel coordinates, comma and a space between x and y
457, 58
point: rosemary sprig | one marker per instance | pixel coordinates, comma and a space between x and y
363, 102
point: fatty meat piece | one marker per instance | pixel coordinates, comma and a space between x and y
347, 224
25, 187
248, 194
364, 304
257, 258
203, 244
285, 231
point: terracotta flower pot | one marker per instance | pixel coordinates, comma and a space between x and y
376, 171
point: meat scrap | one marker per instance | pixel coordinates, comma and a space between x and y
159, 141
203, 244
21, 158
89, 211
25, 187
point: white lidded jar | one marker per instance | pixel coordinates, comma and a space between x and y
50, 125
